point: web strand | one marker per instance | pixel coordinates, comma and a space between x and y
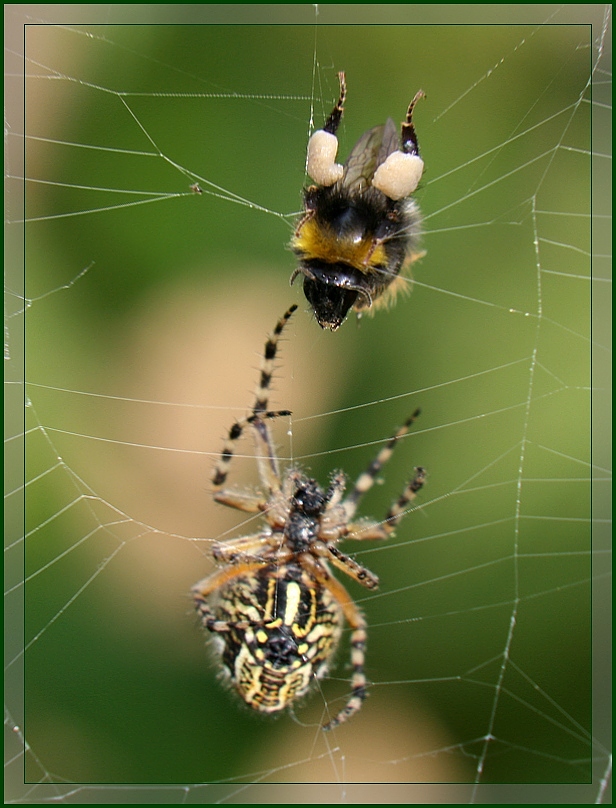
146, 302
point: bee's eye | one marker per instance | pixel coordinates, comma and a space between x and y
321, 161
399, 175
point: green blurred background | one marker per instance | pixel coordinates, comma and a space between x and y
174, 307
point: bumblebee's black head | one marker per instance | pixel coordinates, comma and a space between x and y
329, 303
331, 290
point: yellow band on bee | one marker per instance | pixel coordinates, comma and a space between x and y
314, 241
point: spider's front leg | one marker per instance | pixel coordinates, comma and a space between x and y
268, 465
221, 470
369, 529
365, 481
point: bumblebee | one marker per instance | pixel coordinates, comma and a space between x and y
359, 227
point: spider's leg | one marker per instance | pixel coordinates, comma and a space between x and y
369, 529
346, 564
332, 525
335, 491
366, 530
248, 503
244, 549
221, 470
268, 464
356, 621
265, 453
397, 510
202, 590
267, 362
366, 480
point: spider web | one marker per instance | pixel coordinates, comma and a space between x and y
145, 307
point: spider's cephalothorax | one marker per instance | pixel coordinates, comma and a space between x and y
359, 227
274, 607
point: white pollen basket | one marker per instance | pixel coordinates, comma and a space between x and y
399, 175
321, 162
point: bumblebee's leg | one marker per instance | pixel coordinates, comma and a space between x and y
409, 136
333, 122
203, 589
366, 480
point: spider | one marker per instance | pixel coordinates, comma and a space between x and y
275, 610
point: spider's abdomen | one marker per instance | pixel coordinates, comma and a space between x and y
283, 629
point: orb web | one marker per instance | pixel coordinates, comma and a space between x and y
160, 186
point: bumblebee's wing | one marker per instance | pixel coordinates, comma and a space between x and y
372, 148
390, 142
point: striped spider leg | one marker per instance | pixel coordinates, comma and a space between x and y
274, 608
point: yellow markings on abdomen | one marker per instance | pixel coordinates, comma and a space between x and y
294, 594
269, 676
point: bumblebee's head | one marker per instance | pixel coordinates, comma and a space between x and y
329, 303
331, 290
